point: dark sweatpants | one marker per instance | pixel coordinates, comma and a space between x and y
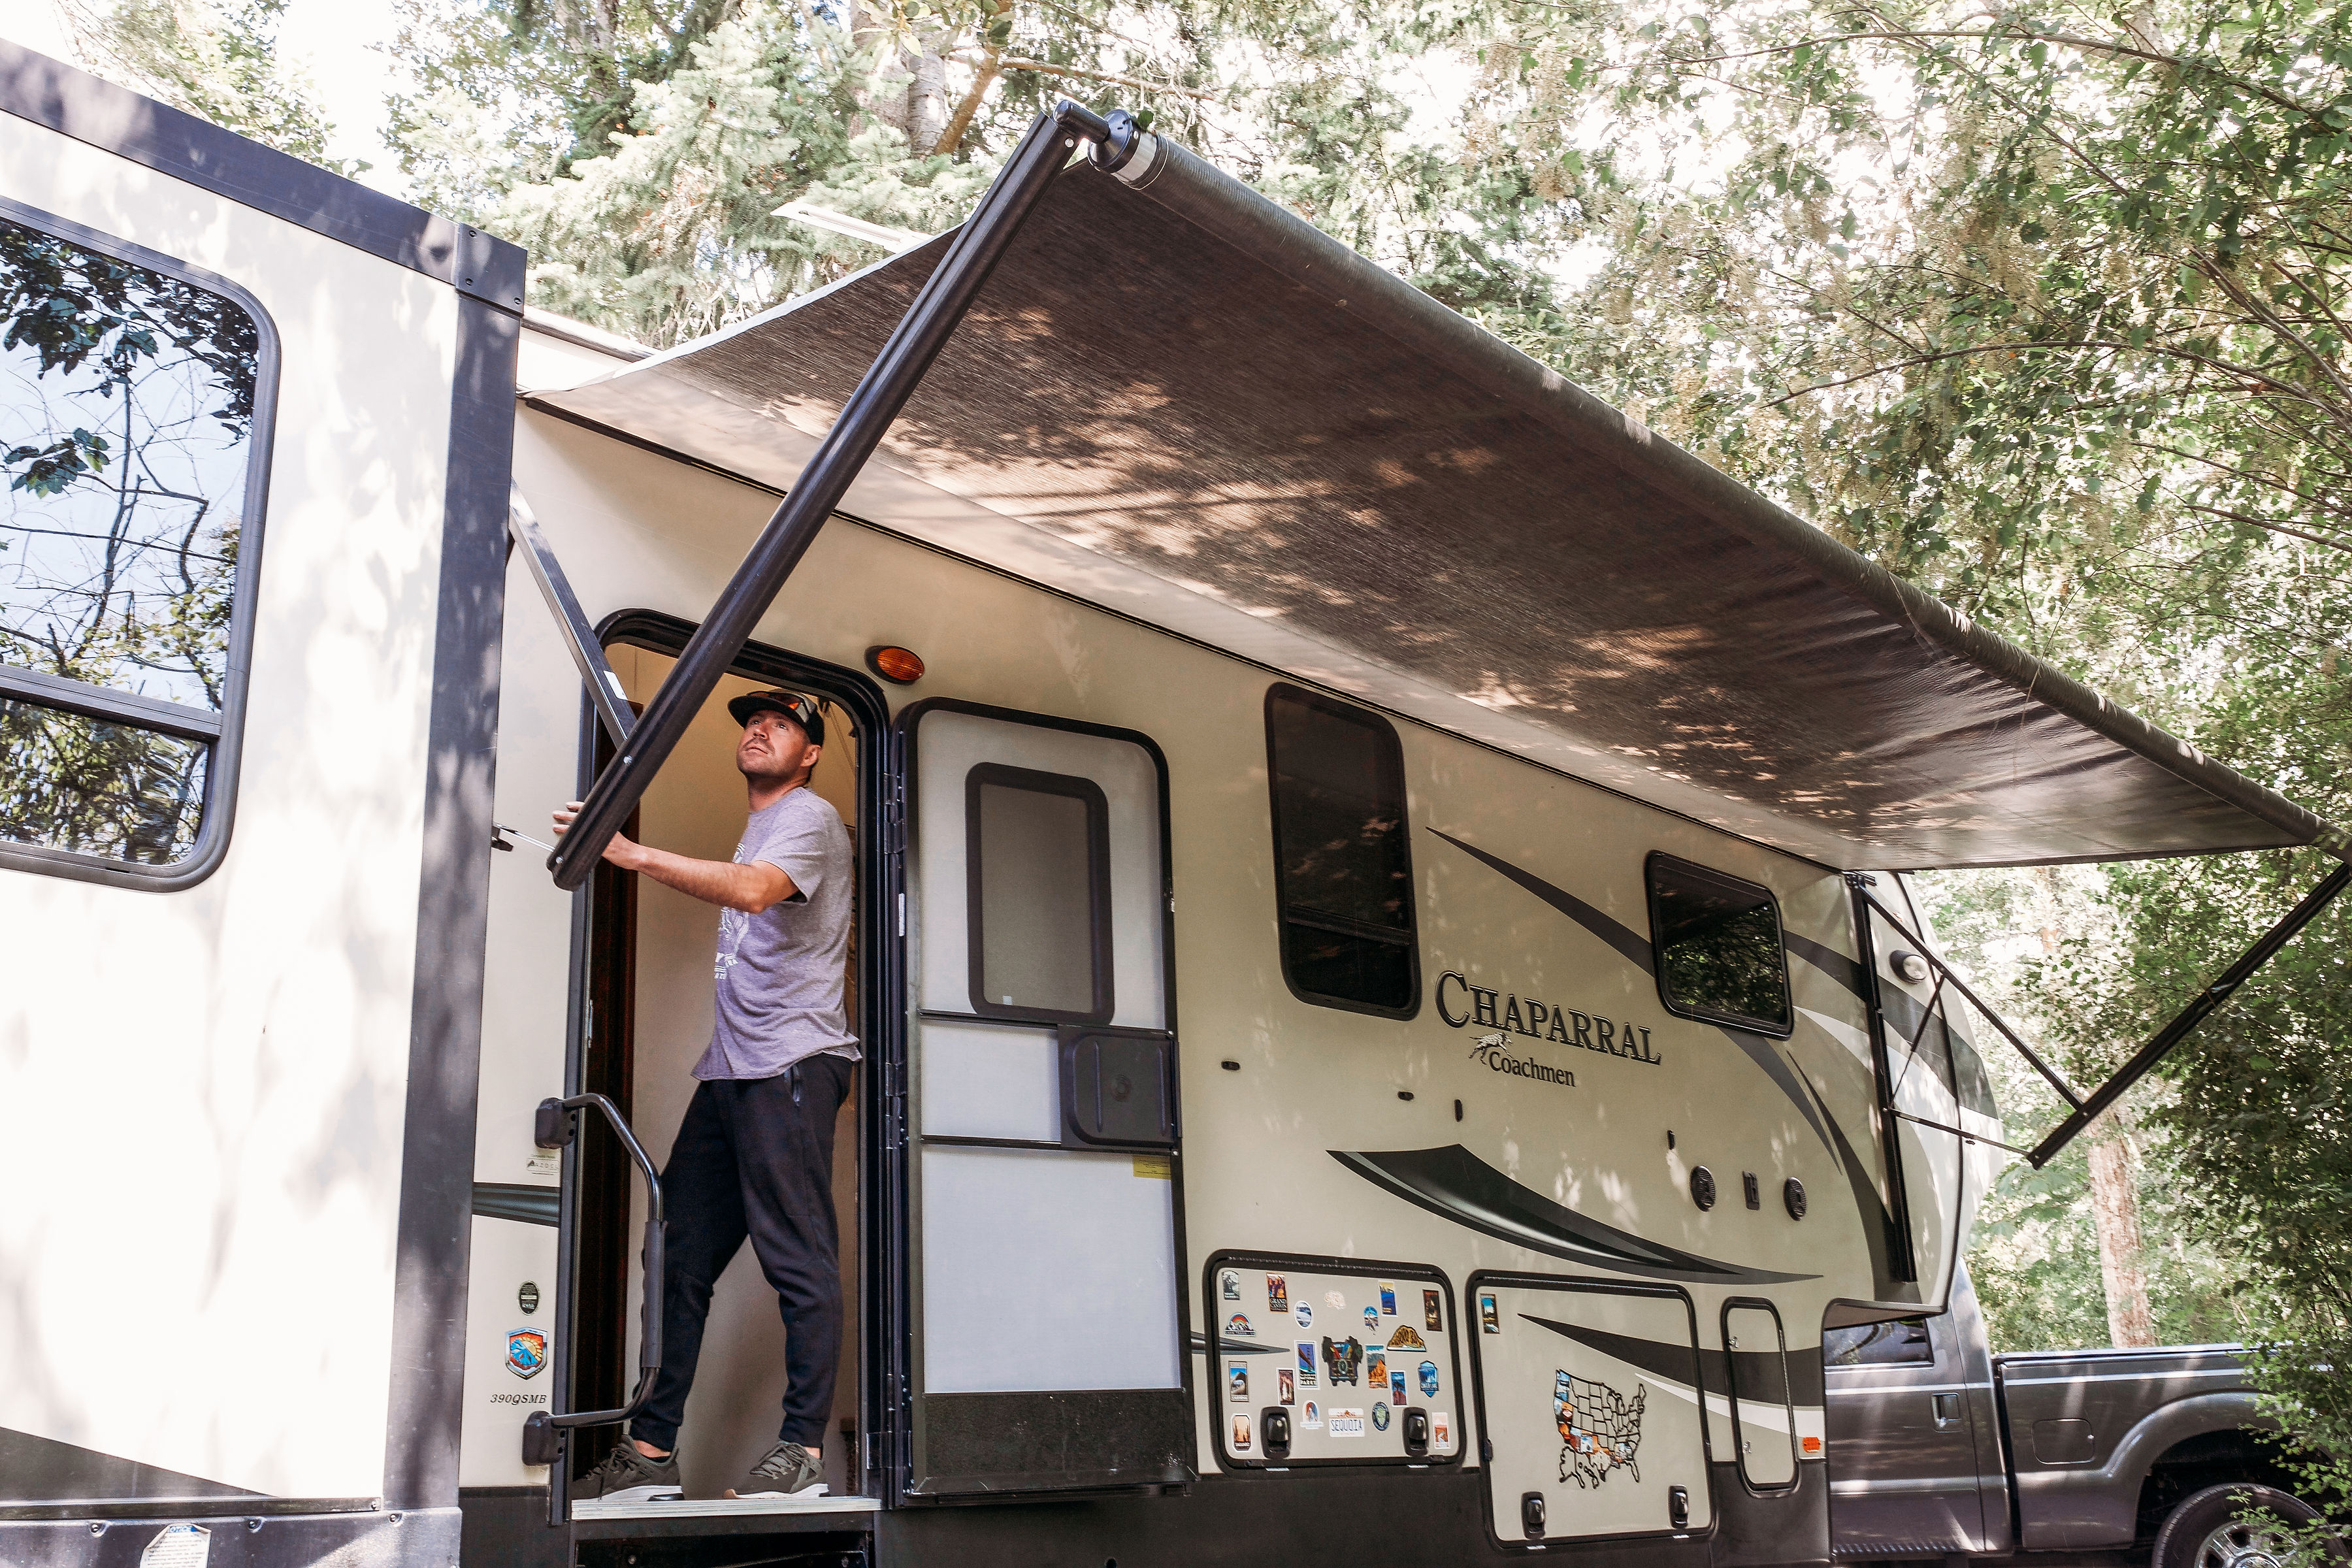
754, 1157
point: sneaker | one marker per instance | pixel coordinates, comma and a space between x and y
789, 1470
627, 1476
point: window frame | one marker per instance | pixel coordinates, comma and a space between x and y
1005, 776
1392, 746
1766, 1027
222, 732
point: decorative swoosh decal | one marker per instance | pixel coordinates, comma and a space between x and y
1198, 1343
1636, 949
1676, 1363
1454, 1183
1877, 1224
1624, 938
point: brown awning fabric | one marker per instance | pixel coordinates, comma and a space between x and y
1171, 372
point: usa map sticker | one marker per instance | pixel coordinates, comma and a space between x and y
1599, 1429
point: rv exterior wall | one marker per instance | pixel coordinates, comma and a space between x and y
208, 1088
1575, 1113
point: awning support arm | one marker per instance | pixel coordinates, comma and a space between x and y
2066, 1092
2206, 1001
973, 254
604, 689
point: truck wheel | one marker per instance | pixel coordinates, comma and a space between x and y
2205, 1532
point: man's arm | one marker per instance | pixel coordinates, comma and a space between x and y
750, 889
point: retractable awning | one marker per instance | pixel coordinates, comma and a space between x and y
1175, 398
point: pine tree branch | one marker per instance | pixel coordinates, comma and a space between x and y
1046, 67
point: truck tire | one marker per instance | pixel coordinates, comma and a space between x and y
2204, 1531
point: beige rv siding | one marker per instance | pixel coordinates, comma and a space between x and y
205, 1086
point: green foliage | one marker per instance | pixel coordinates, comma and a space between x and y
217, 59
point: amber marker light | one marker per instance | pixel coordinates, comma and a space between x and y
900, 666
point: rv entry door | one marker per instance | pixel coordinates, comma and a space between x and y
1044, 1182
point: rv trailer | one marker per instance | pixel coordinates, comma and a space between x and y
1391, 1016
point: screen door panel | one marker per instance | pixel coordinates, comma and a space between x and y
1589, 1393
1046, 1201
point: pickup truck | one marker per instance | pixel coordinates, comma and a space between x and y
1939, 1449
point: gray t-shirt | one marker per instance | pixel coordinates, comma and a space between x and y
780, 972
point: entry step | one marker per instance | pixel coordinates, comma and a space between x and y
703, 1508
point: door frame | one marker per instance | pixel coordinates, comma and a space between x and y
878, 790
897, 1153
1787, 1394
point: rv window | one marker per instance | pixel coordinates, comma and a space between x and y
1342, 873
1038, 863
1902, 1343
130, 396
1718, 947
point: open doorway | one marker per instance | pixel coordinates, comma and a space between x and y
650, 1004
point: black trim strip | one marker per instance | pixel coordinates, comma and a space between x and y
115, 120
103, 702
445, 1040
517, 1201
1455, 1184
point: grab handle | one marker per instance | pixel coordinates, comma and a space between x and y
543, 1440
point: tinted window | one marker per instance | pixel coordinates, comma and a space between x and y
1342, 873
1718, 946
1902, 1343
1038, 853
127, 401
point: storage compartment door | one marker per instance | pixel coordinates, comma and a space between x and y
1589, 1400
1048, 1330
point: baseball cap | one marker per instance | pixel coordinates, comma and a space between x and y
802, 710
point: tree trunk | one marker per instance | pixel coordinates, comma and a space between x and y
2115, 1192
926, 96
2115, 1214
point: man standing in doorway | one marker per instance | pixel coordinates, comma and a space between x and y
753, 1156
